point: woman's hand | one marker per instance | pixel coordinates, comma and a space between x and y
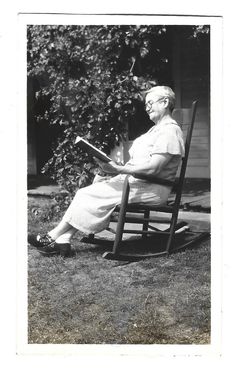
110, 168
151, 167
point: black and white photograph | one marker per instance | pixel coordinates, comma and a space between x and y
119, 249
118, 192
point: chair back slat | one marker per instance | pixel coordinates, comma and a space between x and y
185, 158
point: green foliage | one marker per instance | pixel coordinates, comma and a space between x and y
88, 80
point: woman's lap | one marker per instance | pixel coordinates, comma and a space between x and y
93, 205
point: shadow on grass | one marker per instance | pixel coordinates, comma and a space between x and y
147, 246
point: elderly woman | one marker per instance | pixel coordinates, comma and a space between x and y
157, 153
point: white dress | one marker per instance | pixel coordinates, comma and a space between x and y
93, 205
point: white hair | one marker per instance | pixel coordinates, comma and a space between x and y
163, 91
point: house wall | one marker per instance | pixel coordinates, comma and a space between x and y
191, 74
198, 160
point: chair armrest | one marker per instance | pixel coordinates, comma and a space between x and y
153, 179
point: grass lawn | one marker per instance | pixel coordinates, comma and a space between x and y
86, 299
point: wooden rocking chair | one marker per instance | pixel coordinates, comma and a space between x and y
154, 241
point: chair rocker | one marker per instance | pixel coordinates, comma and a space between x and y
154, 241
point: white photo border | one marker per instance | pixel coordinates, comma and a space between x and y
214, 348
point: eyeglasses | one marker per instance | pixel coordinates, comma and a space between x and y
150, 103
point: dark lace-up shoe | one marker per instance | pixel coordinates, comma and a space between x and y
62, 249
40, 241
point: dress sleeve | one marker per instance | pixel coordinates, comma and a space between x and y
169, 140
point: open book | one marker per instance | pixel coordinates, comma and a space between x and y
92, 150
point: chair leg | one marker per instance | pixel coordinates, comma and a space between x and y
146, 223
121, 219
172, 232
